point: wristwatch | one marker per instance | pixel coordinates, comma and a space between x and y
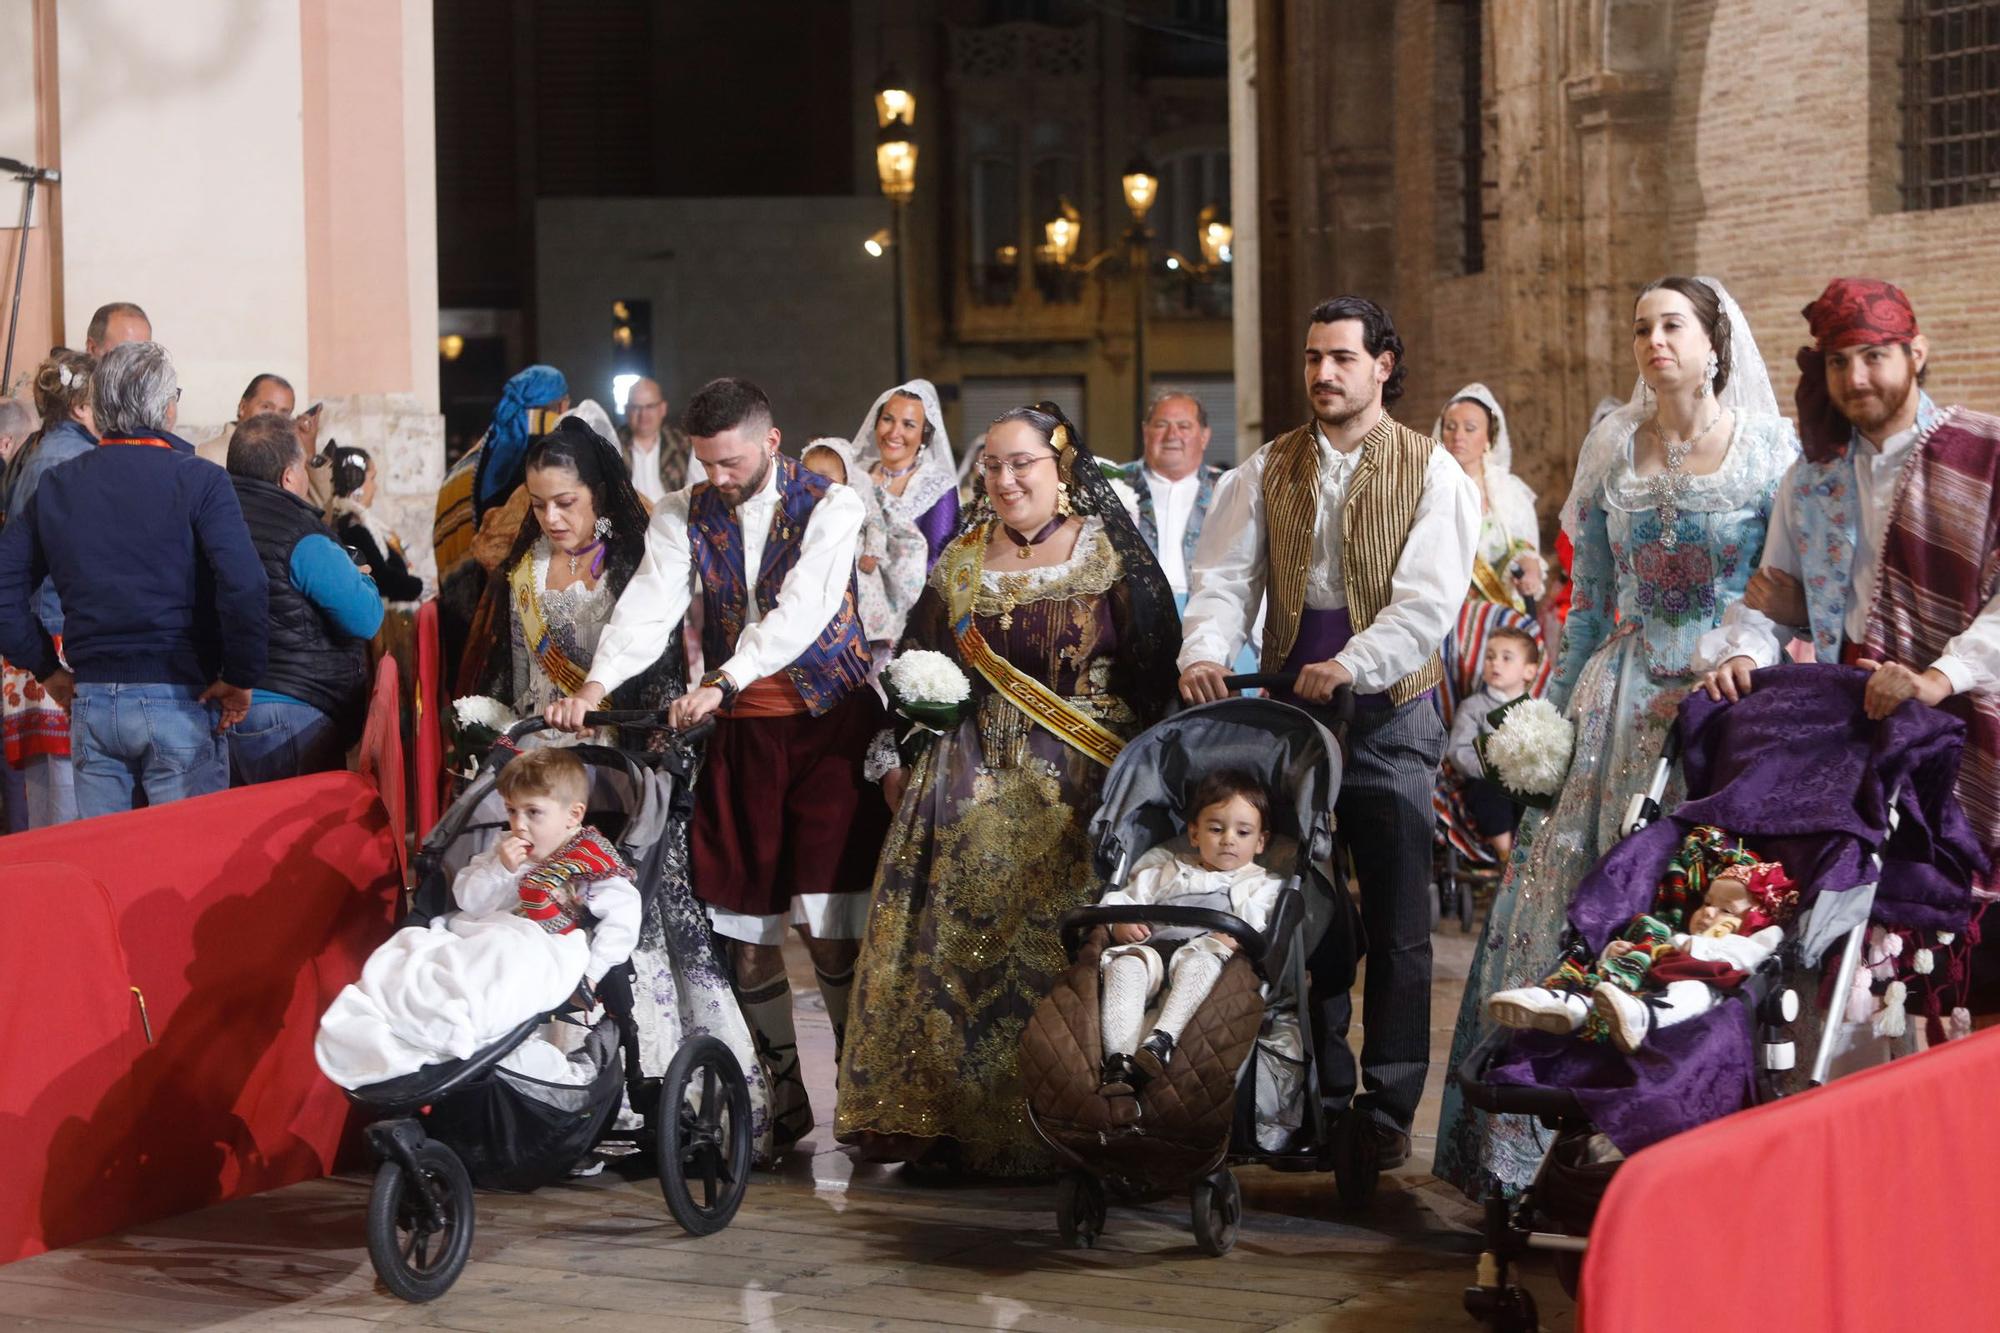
719, 680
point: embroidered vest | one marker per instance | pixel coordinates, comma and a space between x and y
1826, 510
837, 663
552, 894
1133, 474
1380, 509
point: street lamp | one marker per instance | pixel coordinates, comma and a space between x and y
1142, 186
896, 165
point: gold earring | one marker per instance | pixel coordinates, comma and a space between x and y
1062, 499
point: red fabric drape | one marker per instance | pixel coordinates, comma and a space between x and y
380, 757
238, 917
428, 740
1865, 1205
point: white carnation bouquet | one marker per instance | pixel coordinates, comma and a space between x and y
928, 688
480, 719
1528, 750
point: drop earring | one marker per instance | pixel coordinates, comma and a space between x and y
1708, 373
602, 528
1062, 499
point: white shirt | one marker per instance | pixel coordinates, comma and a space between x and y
1971, 661
1161, 877
1425, 591
657, 597
1173, 507
646, 472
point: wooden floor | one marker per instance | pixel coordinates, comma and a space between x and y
821, 1245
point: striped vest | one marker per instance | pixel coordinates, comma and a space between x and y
1375, 522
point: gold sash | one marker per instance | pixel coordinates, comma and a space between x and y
567, 675
1486, 581
1044, 706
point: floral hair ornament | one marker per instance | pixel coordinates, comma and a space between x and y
1771, 889
68, 377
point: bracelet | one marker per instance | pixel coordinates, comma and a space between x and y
719, 680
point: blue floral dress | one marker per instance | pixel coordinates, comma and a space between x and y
1650, 579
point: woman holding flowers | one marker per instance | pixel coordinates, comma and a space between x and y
1667, 513
1055, 637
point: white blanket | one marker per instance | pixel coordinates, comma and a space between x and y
443, 991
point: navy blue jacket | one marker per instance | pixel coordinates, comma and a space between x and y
149, 552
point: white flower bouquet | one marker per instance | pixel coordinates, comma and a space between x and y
1528, 750
479, 721
928, 688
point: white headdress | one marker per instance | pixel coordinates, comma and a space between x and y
1747, 392
595, 417
1510, 497
937, 472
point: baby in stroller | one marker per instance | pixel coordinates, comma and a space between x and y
542, 917
1671, 963
1228, 827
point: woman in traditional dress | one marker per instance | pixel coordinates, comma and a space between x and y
903, 453
1507, 565
532, 641
1060, 617
36, 727
1672, 495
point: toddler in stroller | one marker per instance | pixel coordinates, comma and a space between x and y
542, 917
444, 1036
1226, 824
1238, 1081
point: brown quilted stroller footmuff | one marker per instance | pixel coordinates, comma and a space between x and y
1184, 1116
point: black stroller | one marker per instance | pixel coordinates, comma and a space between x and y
448, 1126
1204, 1112
1504, 1073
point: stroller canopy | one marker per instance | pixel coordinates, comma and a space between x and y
1154, 777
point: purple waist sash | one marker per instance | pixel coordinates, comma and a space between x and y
1321, 635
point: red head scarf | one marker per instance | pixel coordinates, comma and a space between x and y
1851, 312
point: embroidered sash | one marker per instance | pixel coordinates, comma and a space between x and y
1038, 702
1487, 582
567, 675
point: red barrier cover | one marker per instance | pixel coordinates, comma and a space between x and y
1868, 1204
237, 917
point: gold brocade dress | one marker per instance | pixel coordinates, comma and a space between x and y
986, 854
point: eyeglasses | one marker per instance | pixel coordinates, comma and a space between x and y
991, 468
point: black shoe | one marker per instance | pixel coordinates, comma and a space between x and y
1151, 1059
1392, 1146
1115, 1075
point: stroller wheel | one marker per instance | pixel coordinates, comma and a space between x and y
1437, 901
1080, 1209
1357, 1160
1217, 1205
1467, 906
703, 1150
1514, 1312
416, 1255
1569, 1271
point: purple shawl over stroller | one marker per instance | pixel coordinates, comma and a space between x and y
1797, 771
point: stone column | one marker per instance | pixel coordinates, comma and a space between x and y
1246, 292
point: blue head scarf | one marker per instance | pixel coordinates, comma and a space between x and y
506, 442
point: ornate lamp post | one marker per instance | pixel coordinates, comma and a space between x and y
1142, 186
896, 165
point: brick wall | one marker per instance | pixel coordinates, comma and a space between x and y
1774, 169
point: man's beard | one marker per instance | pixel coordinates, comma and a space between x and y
1341, 415
749, 488
1871, 413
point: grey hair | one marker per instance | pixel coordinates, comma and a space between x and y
132, 390
1160, 398
17, 420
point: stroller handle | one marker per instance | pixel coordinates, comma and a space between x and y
642, 719
1079, 921
1336, 712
